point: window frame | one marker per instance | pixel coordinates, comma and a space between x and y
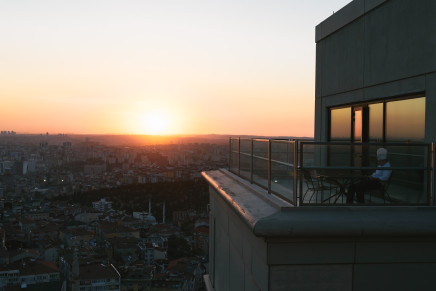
364, 106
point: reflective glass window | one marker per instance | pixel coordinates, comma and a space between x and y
375, 122
358, 124
340, 124
405, 120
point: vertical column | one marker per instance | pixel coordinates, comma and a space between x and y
295, 164
300, 165
239, 156
230, 154
269, 166
252, 161
433, 175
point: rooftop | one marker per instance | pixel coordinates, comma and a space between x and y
97, 271
269, 216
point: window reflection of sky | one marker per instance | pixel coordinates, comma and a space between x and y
405, 120
340, 124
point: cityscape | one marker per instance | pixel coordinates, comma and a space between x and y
78, 214
218, 145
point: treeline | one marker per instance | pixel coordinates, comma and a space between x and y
183, 195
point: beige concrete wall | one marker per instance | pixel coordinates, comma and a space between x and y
352, 264
237, 258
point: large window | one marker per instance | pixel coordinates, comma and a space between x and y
390, 120
375, 124
340, 124
405, 120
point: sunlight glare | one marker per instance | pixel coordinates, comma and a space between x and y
156, 123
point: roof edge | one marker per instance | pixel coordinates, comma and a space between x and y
344, 16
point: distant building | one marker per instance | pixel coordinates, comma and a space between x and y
138, 277
150, 252
98, 277
95, 169
107, 230
102, 205
30, 274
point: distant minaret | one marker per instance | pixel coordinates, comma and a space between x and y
163, 214
75, 272
149, 207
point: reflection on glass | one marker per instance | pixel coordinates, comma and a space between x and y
358, 124
260, 172
405, 120
340, 124
376, 122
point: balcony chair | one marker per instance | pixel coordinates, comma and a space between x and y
381, 192
317, 185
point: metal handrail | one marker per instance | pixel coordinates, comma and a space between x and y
266, 159
363, 168
297, 165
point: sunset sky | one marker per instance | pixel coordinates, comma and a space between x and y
159, 67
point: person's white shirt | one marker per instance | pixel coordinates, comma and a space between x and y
383, 175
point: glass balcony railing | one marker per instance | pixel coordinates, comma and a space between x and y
311, 173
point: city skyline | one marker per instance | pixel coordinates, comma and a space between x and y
143, 67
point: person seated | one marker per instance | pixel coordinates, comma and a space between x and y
373, 182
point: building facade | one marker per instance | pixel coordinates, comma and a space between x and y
375, 83
375, 72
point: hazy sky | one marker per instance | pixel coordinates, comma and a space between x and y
187, 67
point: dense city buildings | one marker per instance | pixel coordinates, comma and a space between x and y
84, 215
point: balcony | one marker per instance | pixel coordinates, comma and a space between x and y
279, 218
307, 173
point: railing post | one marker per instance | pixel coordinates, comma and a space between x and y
239, 156
269, 166
252, 161
300, 166
295, 173
230, 154
433, 174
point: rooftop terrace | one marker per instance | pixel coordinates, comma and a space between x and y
303, 172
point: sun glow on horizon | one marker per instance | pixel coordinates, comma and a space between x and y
159, 67
156, 123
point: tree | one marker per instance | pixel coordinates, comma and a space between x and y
178, 247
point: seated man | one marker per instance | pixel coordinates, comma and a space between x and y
373, 182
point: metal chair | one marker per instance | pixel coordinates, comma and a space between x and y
382, 192
316, 185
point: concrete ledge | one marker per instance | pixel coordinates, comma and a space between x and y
207, 282
269, 217
250, 202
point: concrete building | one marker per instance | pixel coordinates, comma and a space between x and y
30, 274
99, 277
102, 205
375, 87
375, 56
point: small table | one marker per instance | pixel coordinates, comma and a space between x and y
342, 180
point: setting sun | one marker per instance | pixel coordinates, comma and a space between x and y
156, 123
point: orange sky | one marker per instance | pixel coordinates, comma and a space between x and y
228, 67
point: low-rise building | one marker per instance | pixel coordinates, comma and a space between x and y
138, 277
102, 205
30, 273
98, 277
